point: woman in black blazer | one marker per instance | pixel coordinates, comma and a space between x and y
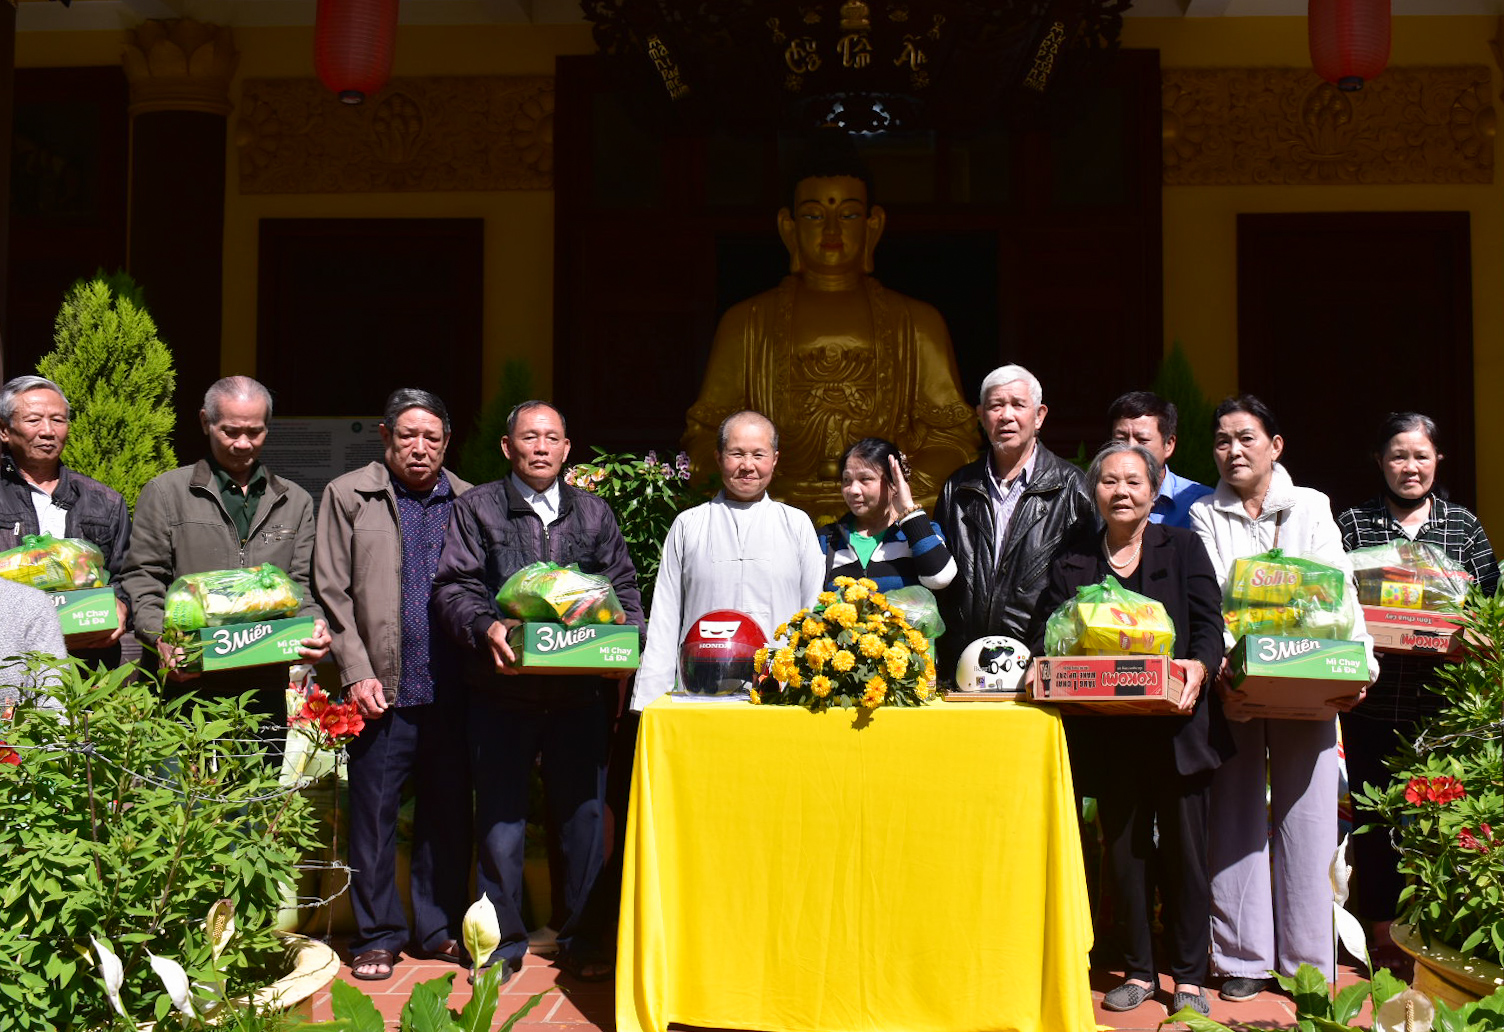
1145, 770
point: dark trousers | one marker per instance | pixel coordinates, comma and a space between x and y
1128, 805
424, 743
1393, 712
506, 740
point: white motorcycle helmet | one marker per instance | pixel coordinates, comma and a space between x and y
995, 663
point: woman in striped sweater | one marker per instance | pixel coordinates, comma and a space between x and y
885, 537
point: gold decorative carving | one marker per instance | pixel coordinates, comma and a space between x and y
180, 65
423, 134
1288, 127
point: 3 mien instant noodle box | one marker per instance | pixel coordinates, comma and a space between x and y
260, 643
1293, 678
552, 648
1107, 684
84, 610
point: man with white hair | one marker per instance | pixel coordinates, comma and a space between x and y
40, 495
1005, 517
223, 512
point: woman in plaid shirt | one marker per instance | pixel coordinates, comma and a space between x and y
1408, 507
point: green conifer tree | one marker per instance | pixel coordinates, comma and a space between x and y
1176, 381
119, 379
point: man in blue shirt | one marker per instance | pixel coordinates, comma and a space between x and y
1143, 417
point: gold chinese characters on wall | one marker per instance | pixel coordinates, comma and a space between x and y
1287, 127
421, 134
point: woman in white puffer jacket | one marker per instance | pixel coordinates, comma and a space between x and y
1263, 922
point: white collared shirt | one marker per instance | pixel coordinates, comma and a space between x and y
51, 518
545, 503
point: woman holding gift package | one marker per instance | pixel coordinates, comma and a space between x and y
885, 536
1410, 507
1263, 922
1145, 770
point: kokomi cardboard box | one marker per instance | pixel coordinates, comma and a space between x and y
1293, 678
261, 643
552, 648
1107, 684
1413, 630
87, 609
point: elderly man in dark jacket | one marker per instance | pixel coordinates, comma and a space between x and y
496, 529
1005, 517
37, 489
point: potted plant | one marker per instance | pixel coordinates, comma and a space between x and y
124, 818
1444, 809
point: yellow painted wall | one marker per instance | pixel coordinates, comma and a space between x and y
1200, 237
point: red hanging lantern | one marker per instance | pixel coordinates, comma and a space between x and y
353, 42
1349, 40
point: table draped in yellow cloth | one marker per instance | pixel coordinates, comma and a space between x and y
795, 872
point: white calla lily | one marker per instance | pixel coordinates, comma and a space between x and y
1341, 873
175, 981
481, 930
111, 972
1348, 929
1410, 1011
219, 926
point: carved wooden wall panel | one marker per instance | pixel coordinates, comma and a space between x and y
1287, 127
421, 134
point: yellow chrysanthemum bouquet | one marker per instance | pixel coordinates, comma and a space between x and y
854, 648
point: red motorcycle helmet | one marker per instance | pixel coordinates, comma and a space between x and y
718, 656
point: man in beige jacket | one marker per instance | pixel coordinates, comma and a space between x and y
380, 529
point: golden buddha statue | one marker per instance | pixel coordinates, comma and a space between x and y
831, 356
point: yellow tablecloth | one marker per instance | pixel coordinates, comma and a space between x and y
793, 872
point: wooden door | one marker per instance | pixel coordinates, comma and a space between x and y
1344, 317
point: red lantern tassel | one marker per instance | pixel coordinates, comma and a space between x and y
353, 43
1349, 40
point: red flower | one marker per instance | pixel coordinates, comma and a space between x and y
1440, 790
336, 722
1467, 840
9, 755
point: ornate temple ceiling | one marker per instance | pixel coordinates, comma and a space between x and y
49, 15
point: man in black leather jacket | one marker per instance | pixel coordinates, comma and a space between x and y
34, 421
1005, 517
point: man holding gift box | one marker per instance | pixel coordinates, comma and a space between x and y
40, 495
380, 529
515, 718
224, 512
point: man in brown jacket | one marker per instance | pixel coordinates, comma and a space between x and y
380, 529
221, 513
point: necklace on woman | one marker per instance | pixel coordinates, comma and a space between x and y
1107, 553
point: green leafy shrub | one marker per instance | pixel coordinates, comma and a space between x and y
119, 378
125, 816
645, 495
1444, 806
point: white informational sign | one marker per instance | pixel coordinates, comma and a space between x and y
313, 451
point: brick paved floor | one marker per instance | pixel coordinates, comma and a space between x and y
579, 1007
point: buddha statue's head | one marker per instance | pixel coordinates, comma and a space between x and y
830, 226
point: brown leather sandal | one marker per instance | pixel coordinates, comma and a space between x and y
376, 959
